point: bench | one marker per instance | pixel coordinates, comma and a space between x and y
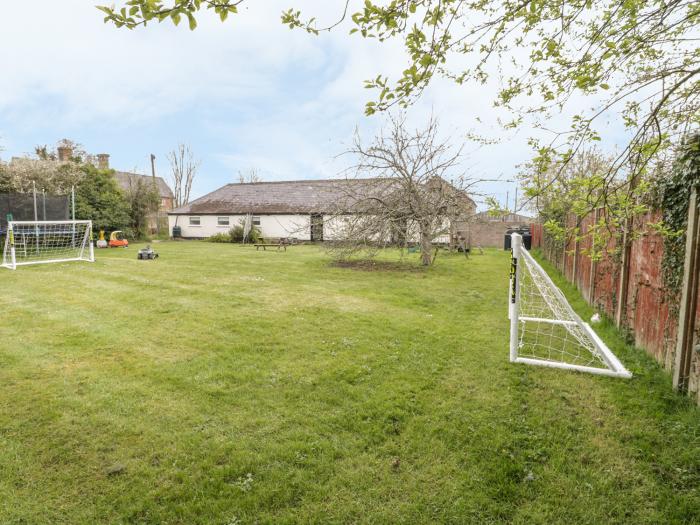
265, 246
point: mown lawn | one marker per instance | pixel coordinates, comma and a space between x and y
219, 385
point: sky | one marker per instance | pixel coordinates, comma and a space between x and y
249, 93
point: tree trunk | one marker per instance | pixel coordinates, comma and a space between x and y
426, 246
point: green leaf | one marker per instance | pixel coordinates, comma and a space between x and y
193, 21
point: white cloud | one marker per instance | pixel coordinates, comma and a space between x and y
248, 92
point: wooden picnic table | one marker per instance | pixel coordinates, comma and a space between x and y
265, 246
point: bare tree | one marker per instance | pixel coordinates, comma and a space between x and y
183, 168
249, 176
397, 191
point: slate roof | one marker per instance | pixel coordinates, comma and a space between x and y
284, 197
124, 179
292, 197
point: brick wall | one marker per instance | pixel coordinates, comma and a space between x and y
491, 234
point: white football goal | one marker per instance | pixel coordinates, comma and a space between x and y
544, 329
38, 242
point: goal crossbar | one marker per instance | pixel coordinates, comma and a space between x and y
39, 223
544, 328
44, 242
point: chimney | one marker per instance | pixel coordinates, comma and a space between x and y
64, 153
103, 161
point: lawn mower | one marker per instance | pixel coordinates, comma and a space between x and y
117, 240
147, 253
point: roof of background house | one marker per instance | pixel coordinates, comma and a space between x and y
125, 179
510, 217
297, 196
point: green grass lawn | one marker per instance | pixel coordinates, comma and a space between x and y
220, 385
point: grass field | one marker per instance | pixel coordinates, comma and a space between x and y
219, 385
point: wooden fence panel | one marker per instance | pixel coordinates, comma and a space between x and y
649, 315
583, 277
648, 309
606, 279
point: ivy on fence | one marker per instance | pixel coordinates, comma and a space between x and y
673, 191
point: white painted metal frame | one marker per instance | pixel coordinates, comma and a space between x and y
519, 257
9, 248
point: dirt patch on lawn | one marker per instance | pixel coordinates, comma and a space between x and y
369, 265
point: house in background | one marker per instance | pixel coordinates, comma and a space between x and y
488, 231
126, 180
278, 209
302, 209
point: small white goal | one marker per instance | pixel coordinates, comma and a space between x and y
544, 329
39, 242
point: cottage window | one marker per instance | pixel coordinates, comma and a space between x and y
256, 221
194, 221
222, 221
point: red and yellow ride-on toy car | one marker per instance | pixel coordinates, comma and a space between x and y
117, 240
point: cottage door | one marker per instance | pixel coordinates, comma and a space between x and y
316, 228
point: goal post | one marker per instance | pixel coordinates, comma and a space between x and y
544, 328
41, 242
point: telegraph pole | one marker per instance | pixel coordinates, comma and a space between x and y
153, 174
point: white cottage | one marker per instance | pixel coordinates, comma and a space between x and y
279, 209
303, 209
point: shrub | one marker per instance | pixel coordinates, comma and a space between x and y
99, 199
255, 235
236, 234
220, 237
143, 199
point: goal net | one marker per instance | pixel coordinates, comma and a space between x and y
544, 329
37, 242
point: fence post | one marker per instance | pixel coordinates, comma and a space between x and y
621, 310
11, 238
594, 263
574, 266
689, 297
